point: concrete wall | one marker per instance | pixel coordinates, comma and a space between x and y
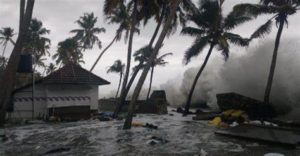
23, 103
54, 95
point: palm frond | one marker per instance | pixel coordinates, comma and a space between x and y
253, 10
262, 30
223, 46
195, 49
237, 39
192, 31
233, 19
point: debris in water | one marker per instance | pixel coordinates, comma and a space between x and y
58, 150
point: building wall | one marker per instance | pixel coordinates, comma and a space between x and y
23, 103
53, 95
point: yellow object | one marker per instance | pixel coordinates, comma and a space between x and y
137, 124
228, 112
216, 121
237, 113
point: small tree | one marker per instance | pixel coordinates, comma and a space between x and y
117, 67
6, 35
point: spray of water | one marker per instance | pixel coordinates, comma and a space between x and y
245, 72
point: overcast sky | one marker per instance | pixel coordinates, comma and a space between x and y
59, 17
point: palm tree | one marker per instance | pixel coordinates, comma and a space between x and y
120, 17
174, 5
8, 79
157, 62
214, 30
282, 9
35, 41
86, 35
68, 51
6, 35
117, 67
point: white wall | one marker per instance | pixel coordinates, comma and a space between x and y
23, 109
88, 95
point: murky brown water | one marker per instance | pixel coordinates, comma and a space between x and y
178, 136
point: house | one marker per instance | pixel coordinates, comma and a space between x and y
71, 93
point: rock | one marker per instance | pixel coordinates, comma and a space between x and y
151, 126
104, 118
156, 140
179, 110
171, 114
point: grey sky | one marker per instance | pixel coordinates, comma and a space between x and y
59, 17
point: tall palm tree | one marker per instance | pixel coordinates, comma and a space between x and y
174, 4
68, 51
117, 67
6, 35
159, 61
214, 30
36, 42
120, 17
87, 33
282, 9
8, 79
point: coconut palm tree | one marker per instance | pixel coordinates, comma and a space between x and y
86, 35
212, 30
36, 42
174, 5
6, 35
159, 61
8, 79
68, 51
117, 67
282, 9
120, 17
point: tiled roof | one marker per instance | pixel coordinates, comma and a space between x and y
73, 74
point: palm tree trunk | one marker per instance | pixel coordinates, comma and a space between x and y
124, 95
150, 85
121, 74
131, 109
4, 49
189, 99
103, 51
133, 22
8, 79
273, 63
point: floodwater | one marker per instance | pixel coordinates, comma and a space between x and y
176, 135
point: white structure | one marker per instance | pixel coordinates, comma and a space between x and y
69, 92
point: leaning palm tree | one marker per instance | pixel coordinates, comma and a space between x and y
167, 24
212, 30
68, 51
117, 67
120, 17
86, 35
159, 61
8, 80
6, 35
282, 9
